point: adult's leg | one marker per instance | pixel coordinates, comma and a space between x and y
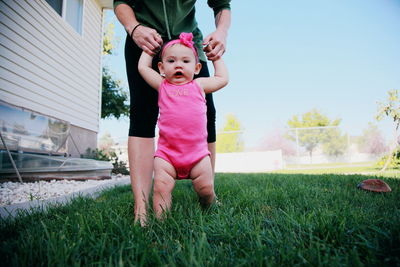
143, 118
140, 154
203, 181
212, 147
164, 183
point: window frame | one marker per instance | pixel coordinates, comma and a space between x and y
64, 15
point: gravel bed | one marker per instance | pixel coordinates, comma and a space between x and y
14, 192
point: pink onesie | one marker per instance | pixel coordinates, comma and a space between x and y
183, 126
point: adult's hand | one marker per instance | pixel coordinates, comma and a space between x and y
215, 45
147, 39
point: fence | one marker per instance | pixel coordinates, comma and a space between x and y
242, 151
312, 145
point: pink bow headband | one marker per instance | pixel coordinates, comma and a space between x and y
185, 39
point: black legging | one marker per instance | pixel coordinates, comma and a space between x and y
144, 108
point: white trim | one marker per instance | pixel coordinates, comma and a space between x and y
83, 19
64, 8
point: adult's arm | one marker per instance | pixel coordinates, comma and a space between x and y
145, 37
217, 40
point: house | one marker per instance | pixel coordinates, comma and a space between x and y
50, 74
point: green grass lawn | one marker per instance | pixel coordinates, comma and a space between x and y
270, 219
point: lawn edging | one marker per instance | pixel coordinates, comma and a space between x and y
93, 192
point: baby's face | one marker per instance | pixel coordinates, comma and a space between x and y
179, 64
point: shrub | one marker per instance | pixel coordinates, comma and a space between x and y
394, 162
119, 167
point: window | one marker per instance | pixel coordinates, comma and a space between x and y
71, 11
56, 5
74, 14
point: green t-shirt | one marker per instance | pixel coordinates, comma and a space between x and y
171, 17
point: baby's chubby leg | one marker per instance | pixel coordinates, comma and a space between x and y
203, 181
164, 183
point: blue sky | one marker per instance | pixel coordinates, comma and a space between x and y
288, 57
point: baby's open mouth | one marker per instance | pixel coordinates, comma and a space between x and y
178, 73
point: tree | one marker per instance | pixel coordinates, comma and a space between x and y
314, 136
372, 141
390, 109
109, 39
113, 97
275, 140
334, 143
229, 139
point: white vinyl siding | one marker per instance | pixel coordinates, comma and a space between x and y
46, 66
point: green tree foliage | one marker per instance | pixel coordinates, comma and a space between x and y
229, 138
334, 143
391, 160
311, 138
108, 39
113, 97
390, 109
